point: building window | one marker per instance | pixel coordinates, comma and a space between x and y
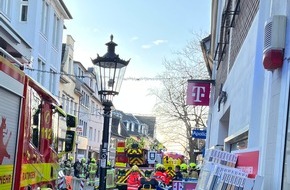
99, 136
24, 10
239, 145
67, 105
136, 127
90, 133
80, 132
85, 130
63, 101
83, 98
132, 127
127, 126
55, 37
5, 6
80, 74
95, 135
44, 18
71, 106
91, 83
87, 100
70, 63
52, 80
40, 73
75, 108
146, 130
93, 109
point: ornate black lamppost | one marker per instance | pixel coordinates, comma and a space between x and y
110, 72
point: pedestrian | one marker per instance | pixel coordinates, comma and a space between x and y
133, 180
178, 175
92, 168
68, 166
77, 168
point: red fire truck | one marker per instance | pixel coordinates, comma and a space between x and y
134, 152
28, 131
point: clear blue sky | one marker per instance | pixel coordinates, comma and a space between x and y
145, 31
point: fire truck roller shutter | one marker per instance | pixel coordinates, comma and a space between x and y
9, 120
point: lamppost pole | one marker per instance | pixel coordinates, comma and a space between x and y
105, 143
110, 73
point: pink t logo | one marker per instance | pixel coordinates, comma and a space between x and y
198, 93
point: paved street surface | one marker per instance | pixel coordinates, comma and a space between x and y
87, 187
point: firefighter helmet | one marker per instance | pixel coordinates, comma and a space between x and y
160, 167
192, 165
183, 166
135, 168
93, 160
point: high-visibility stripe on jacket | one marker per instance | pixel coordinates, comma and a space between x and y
68, 182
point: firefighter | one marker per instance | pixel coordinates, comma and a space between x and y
84, 168
160, 175
183, 169
192, 173
133, 181
92, 169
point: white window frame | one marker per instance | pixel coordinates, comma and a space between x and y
23, 11
70, 64
44, 18
5, 7
55, 33
52, 80
40, 74
90, 133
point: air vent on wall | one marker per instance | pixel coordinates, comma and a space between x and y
274, 42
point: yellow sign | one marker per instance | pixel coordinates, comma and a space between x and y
6, 177
38, 172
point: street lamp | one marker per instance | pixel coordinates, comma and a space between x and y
110, 71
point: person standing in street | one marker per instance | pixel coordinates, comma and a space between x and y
77, 168
178, 175
192, 173
67, 166
92, 169
183, 168
84, 168
134, 179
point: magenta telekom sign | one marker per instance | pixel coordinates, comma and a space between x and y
198, 92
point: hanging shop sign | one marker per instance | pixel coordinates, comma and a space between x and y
199, 134
198, 92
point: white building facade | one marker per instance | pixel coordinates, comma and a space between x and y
249, 109
69, 95
90, 114
41, 24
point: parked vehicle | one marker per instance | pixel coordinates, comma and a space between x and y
29, 117
134, 152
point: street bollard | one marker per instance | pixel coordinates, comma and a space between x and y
61, 180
